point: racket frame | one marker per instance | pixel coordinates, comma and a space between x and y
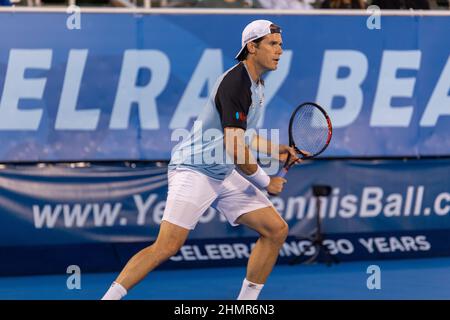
287, 166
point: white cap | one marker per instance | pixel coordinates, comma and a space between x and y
255, 30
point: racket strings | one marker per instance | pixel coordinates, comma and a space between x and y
310, 129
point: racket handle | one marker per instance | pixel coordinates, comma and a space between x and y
282, 172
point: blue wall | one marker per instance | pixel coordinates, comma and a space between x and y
377, 209
117, 88
130, 79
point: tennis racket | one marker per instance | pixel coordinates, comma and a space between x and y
310, 132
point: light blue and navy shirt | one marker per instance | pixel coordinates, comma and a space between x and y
236, 101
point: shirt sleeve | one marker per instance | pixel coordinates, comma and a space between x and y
233, 103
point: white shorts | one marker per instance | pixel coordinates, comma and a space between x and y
191, 193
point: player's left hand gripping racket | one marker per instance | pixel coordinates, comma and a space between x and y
310, 132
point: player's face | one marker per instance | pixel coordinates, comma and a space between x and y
269, 51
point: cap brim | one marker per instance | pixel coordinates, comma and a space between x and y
248, 41
240, 51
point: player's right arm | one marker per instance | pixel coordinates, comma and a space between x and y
233, 100
238, 150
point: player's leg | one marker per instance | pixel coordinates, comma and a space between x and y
190, 194
273, 231
170, 239
242, 203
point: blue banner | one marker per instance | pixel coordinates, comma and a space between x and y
96, 204
376, 209
114, 86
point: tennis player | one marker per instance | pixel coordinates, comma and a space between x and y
235, 105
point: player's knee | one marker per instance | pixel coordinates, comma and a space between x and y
169, 250
173, 249
283, 232
279, 232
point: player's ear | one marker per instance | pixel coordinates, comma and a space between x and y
251, 47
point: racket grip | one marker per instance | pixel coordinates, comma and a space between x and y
282, 172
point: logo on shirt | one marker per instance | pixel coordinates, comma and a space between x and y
241, 116
261, 99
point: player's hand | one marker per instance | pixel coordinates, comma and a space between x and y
276, 185
286, 151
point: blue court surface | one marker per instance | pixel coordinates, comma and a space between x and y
400, 279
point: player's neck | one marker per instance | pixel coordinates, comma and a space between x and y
253, 70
